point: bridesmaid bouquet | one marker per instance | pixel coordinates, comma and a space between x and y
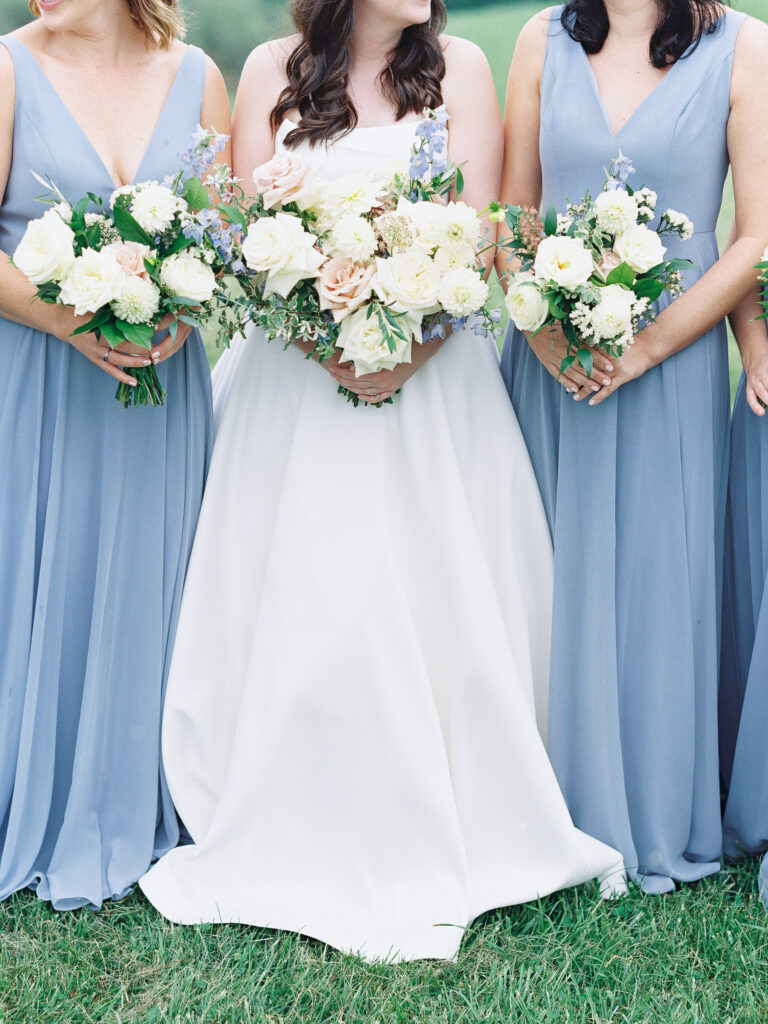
762, 266
362, 264
595, 270
155, 252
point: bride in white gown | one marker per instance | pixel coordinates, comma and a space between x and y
350, 727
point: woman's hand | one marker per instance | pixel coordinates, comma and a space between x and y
756, 369
630, 366
169, 346
551, 347
112, 362
372, 388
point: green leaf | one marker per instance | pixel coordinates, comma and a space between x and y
234, 215
138, 334
649, 288
555, 308
196, 194
111, 333
567, 363
179, 244
550, 221
586, 360
459, 182
623, 274
129, 227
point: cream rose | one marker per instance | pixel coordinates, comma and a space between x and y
280, 248
93, 281
408, 282
46, 250
281, 180
188, 277
130, 256
362, 342
528, 309
564, 260
344, 285
641, 248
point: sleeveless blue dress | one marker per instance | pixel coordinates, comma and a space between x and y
97, 513
744, 668
635, 492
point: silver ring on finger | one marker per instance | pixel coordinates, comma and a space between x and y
105, 357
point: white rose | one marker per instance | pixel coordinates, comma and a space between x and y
564, 260
139, 301
363, 343
281, 248
408, 282
94, 280
615, 211
188, 277
528, 309
641, 248
612, 316
353, 238
462, 292
46, 251
154, 207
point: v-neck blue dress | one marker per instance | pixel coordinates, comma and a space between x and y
634, 490
97, 512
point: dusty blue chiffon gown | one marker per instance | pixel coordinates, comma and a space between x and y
635, 493
744, 669
97, 512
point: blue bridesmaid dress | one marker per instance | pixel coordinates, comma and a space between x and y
635, 492
744, 668
97, 512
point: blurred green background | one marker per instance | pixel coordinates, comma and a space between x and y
229, 29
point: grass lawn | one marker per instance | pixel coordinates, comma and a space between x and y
697, 957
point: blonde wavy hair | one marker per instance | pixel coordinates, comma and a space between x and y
161, 20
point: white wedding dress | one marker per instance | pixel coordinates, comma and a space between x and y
350, 726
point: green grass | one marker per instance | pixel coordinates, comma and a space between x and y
697, 957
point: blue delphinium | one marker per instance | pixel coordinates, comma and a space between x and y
429, 157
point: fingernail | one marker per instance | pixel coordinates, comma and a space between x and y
147, 362
595, 387
155, 356
133, 382
591, 401
606, 382
609, 367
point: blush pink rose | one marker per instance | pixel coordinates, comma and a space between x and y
281, 180
609, 262
130, 256
344, 285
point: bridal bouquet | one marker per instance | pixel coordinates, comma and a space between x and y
363, 264
595, 270
154, 252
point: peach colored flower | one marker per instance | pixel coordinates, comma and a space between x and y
281, 180
343, 286
130, 256
609, 262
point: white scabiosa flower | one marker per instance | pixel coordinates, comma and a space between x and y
94, 280
527, 308
352, 237
462, 292
139, 301
46, 250
154, 207
565, 261
615, 211
640, 247
186, 276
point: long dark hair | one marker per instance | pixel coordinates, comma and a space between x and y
681, 25
318, 70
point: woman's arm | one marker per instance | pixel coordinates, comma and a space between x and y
732, 278
521, 186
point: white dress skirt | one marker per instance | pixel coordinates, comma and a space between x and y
350, 730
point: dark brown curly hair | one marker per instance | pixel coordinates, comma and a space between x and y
318, 70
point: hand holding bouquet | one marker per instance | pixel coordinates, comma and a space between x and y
154, 253
366, 265
596, 270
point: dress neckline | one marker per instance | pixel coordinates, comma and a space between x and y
68, 113
291, 124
